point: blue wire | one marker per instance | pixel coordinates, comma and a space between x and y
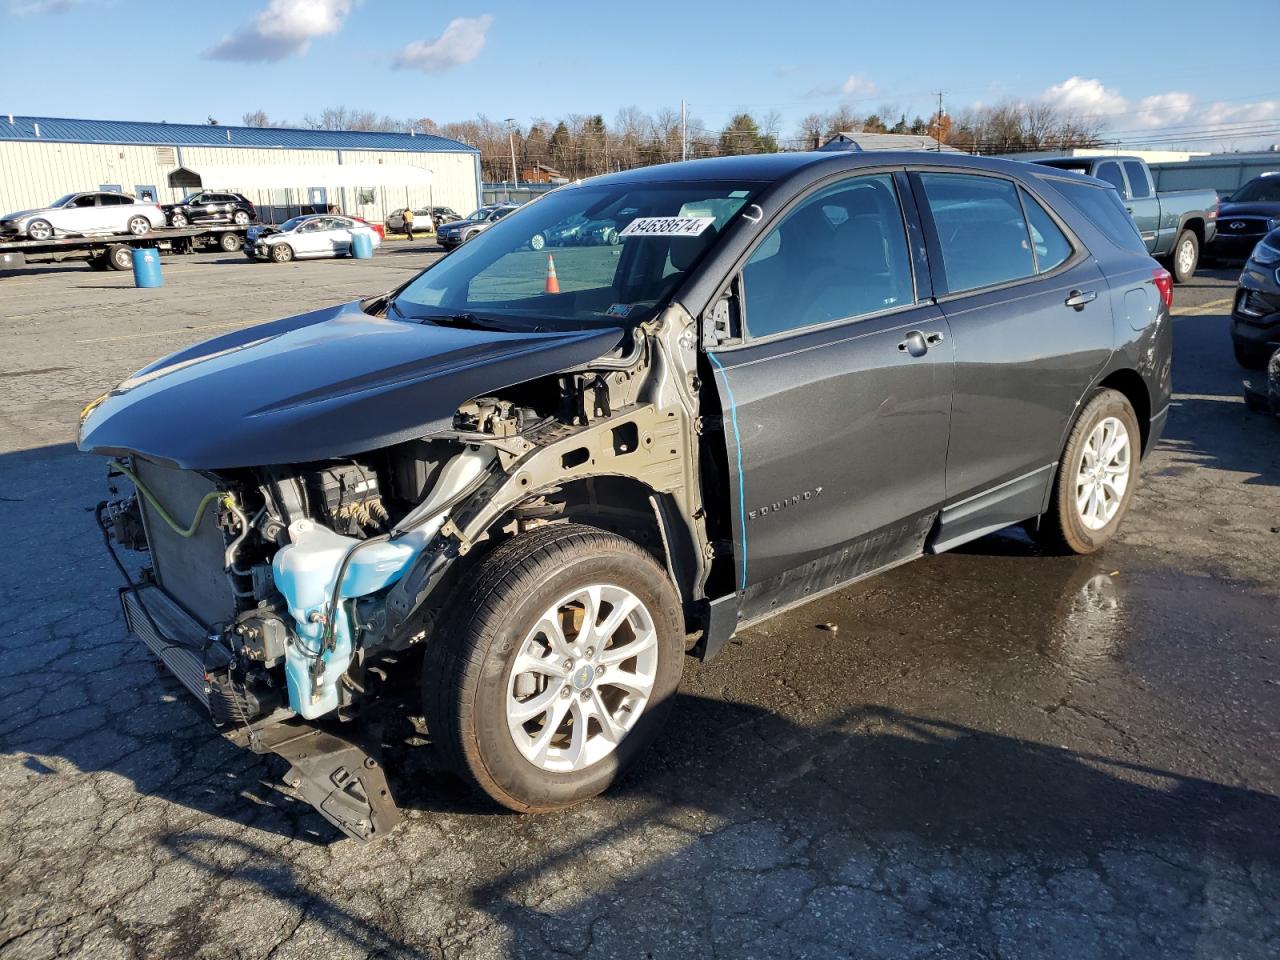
737, 442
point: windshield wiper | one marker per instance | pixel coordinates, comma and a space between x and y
461, 319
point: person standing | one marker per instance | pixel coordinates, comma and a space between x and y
408, 222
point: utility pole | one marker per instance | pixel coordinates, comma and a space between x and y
684, 130
938, 138
511, 138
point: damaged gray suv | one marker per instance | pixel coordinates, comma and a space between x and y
524, 491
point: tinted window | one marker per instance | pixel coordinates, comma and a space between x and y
1110, 172
1139, 185
114, 200
1103, 207
980, 228
87, 200
841, 253
1264, 189
1050, 244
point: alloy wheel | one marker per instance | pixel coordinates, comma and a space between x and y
1102, 475
582, 678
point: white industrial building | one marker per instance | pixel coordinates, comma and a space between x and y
283, 171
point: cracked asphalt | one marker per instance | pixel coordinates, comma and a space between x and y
992, 754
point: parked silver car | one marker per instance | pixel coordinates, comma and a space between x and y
82, 214
316, 235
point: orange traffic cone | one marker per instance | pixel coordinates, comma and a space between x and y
553, 283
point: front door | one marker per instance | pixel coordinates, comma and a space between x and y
1143, 206
837, 403
1030, 318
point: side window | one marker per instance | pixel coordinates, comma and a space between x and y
1110, 172
840, 254
1139, 183
86, 200
1104, 208
981, 230
117, 200
1050, 244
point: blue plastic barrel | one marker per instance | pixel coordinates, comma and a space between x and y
361, 244
146, 268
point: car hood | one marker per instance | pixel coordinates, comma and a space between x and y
1257, 208
331, 383
25, 213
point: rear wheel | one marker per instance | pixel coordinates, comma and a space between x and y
39, 230
120, 257
1186, 257
230, 242
537, 241
138, 226
240, 218
1096, 477
1251, 358
281, 253
179, 219
558, 666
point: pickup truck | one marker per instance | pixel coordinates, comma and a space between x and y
1175, 224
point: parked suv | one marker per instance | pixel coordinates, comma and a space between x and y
524, 501
210, 206
1247, 216
1255, 312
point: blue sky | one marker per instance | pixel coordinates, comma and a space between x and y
1150, 71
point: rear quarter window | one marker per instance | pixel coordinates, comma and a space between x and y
1103, 208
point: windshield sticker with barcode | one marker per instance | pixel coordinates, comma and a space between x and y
667, 226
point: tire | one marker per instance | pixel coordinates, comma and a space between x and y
240, 218
179, 220
1185, 257
281, 253
1251, 358
39, 230
1068, 527
138, 226
230, 242
120, 257
470, 681
537, 241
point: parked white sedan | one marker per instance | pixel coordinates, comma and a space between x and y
85, 214
317, 235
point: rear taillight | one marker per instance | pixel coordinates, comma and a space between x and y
1163, 280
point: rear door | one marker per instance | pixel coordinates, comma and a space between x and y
837, 401
1143, 206
1031, 326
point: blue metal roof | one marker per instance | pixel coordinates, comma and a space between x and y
133, 132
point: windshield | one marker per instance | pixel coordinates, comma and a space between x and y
479, 214
61, 200
1262, 190
628, 258
294, 223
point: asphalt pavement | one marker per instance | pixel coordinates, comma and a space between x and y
990, 753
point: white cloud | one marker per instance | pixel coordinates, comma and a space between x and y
1163, 109
461, 42
855, 85
1082, 97
284, 29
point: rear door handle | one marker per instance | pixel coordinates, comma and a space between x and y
1078, 298
917, 343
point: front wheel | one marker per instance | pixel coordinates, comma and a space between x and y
281, 253
558, 666
1096, 477
537, 241
1186, 257
39, 230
